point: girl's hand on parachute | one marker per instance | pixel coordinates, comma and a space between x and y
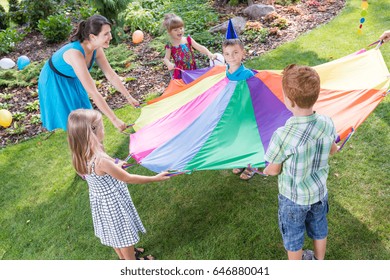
120, 163
171, 66
132, 101
162, 176
385, 36
119, 124
213, 56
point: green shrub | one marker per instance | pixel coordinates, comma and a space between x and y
17, 116
281, 22
8, 39
111, 10
13, 5
154, 4
197, 17
27, 77
32, 106
159, 43
15, 13
256, 35
120, 58
6, 96
35, 119
5, 106
147, 15
3, 18
87, 11
16, 129
136, 17
35, 10
55, 28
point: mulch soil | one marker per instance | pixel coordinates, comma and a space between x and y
153, 77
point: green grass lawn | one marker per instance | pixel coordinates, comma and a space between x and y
45, 210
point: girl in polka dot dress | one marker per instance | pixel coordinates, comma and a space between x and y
115, 219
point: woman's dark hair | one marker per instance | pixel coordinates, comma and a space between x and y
93, 25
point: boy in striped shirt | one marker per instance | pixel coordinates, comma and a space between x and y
298, 152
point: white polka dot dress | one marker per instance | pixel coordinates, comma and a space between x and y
115, 219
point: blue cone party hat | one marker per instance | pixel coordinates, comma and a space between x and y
230, 32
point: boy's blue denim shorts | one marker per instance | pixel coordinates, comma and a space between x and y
294, 219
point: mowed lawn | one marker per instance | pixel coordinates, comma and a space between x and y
45, 210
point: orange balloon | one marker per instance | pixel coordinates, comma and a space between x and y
138, 36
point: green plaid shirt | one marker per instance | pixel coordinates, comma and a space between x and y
302, 146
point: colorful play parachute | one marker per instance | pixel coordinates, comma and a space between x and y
205, 121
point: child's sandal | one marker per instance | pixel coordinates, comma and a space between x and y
237, 171
138, 252
146, 258
248, 174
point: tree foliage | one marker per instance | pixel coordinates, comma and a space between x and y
110, 8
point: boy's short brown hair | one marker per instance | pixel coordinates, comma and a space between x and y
301, 84
232, 42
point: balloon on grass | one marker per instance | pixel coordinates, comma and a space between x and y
22, 62
138, 36
7, 63
5, 118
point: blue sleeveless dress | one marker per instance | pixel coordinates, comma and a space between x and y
58, 94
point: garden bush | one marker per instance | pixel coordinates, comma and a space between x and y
15, 13
8, 39
147, 15
111, 10
3, 18
36, 10
27, 77
55, 28
136, 17
121, 60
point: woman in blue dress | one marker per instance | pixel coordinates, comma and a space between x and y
65, 83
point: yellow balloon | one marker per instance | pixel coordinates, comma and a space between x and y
5, 118
138, 36
364, 5
359, 31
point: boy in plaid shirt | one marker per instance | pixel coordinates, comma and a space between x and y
298, 153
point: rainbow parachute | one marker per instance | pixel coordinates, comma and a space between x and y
205, 121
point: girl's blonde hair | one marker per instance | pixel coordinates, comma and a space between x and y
172, 21
83, 126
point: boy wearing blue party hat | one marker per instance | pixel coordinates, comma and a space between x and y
233, 52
